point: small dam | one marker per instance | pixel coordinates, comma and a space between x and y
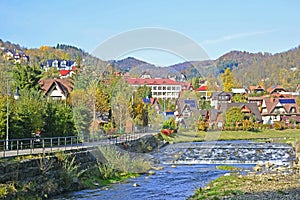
228, 152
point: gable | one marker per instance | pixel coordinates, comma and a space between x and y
245, 109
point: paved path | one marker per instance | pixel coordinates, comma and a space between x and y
120, 139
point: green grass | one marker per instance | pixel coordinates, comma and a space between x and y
288, 135
92, 182
223, 186
227, 167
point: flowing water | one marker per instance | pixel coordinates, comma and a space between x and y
183, 170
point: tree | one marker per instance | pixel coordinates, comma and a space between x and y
140, 109
195, 82
82, 119
228, 80
155, 119
234, 115
58, 120
27, 77
50, 73
27, 116
204, 104
120, 103
3, 115
239, 98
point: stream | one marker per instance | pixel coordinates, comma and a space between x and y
189, 166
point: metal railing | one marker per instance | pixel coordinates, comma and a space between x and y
29, 146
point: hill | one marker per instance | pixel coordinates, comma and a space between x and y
249, 68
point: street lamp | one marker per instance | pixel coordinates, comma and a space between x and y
16, 97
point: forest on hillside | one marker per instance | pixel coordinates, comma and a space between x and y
249, 68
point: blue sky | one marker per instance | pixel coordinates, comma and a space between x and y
217, 26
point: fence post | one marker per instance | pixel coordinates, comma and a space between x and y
71, 143
31, 146
77, 141
4, 148
51, 144
65, 143
17, 147
43, 143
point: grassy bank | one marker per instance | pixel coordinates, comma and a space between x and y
251, 186
287, 135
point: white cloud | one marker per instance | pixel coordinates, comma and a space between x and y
235, 36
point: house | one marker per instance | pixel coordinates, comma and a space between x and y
241, 91
257, 100
66, 68
59, 64
15, 56
249, 109
203, 93
279, 109
145, 75
67, 73
218, 98
161, 88
275, 89
186, 86
187, 108
256, 89
57, 89
186, 111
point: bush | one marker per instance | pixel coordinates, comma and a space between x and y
170, 124
202, 126
278, 125
117, 161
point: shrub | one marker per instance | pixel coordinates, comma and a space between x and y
120, 162
169, 124
278, 125
202, 126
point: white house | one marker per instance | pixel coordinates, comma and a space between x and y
161, 88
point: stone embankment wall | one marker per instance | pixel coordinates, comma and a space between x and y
47, 175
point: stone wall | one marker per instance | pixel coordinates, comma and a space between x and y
44, 175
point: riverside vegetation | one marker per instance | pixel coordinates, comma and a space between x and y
61, 173
276, 184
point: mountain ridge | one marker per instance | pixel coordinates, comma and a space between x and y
249, 68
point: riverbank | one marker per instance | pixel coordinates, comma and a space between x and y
272, 185
43, 176
287, 135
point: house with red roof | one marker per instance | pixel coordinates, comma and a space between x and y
276, 89
66, 68
256, 89
279, 109
57, 89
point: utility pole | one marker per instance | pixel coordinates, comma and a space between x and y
7, 117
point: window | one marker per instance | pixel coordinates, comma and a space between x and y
293, 110
55, 63
56, 98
